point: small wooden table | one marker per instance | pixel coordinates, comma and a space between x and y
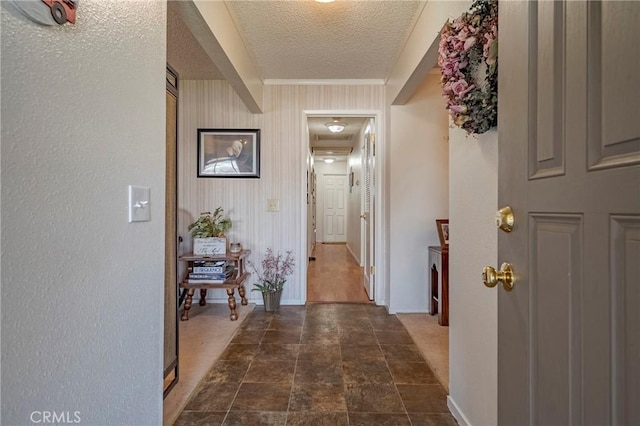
439, 283
237, 280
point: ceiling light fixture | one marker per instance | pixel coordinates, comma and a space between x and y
335, 125
325, 1
329, 160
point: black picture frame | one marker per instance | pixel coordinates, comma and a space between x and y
228, 153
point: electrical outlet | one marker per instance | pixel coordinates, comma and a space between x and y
273, 205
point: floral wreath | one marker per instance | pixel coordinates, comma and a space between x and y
465, 44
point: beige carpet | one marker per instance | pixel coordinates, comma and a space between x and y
432, 340
201, 341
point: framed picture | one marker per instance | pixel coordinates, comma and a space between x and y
229, 153
443, 232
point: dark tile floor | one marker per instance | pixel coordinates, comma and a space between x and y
324, 364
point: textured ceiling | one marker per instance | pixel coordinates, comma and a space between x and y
317, 126
303, 39
184, 53
345, 39
322, 140
306, 40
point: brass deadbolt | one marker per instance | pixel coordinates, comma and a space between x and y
505, 219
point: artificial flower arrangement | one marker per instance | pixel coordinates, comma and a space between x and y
275, 270
210, 225
466, 43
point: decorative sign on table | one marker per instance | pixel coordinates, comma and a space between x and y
210, 246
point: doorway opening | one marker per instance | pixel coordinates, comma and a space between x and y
420, 185
340, 170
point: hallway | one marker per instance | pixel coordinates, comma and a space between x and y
334, 276
324, 364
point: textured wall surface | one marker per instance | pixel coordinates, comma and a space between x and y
213, 104
419, 191
83, 116
473, 313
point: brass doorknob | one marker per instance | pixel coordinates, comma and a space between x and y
491, 277
363, 216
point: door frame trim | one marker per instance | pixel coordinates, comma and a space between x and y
380, 281
175, 365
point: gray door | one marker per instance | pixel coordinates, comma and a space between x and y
569, 143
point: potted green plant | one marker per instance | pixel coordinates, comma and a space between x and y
275, 270
208, 233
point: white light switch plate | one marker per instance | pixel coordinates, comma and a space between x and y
139, 206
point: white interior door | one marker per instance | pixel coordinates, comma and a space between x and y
367, 216
569, 146
335, 209
312, 200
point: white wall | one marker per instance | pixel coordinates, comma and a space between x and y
214, 104
83, 116
473, 312
405, 77
419, 192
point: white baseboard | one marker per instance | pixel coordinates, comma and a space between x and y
456, 412
283, 302
353, 254
407, 310
257, 301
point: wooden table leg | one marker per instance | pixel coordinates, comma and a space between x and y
434, 290
187, 305
241, 291
232, 304
443, 318
203, 295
